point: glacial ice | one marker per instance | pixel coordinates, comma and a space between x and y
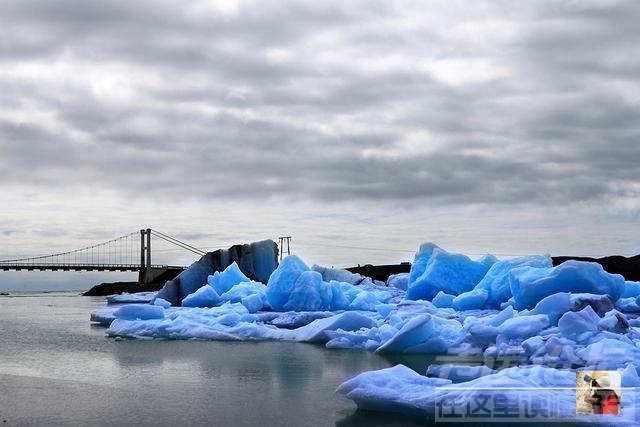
494, 288
443, 271
229, 277
127, 298
205, 296
552, 320
443, 300
400, 389
631, 289
139, 312
530, 284
398, 281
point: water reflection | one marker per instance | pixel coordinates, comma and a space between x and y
82, 377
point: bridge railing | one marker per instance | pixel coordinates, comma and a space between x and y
131, 252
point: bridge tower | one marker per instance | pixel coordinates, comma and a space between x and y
145, 256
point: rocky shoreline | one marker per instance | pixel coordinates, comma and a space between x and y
629, 267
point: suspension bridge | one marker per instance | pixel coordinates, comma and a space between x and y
131, 252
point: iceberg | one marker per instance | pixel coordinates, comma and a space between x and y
425, 334
494, 288
127, 298
256, 261
398, 281
542, 318
443, 271
523, 326
631, 289
229, 277
443, 300
400, 389
205, 296
339, 275
529, 285
283, 280
139, 312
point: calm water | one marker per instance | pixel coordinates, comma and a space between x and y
58, 369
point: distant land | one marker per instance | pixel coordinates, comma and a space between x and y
628, 267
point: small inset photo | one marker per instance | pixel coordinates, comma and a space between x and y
598, 392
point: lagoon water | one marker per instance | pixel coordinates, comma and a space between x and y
58, 369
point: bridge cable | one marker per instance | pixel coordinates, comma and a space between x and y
177, 242
86, 250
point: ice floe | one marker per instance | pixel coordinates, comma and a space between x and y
550, 321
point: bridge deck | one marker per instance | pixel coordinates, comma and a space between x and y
76, 267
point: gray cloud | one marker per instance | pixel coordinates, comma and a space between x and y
324, 103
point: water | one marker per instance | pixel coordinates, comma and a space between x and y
58, 369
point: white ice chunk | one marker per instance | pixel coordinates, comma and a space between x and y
139, 312
283, 280
338, 274
348, 321
253, 302
523, 326
451, 273
205, 296
400, 389
631, 289
443, 300
399, 281
494, 288
162, 302
529, 285
458, 373
573, 324
425, 334
396, 389
231, 276
127, 298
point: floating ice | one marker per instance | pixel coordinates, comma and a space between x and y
205, 296
557, 304
103, 316
231, 276
256, 260
494, 288
396, 389
631, 289
580, 324
523, 326
425, 334
443, 271
161, 302
339, 275
399, 281
443, 300
529, 285
135, 298
316, 330
459, 373
473, 299
283, 281
562, 316
139, 312
243, 290
294, 287
399, 389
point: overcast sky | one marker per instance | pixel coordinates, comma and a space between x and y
360, 128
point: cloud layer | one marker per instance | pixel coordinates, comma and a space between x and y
445, 102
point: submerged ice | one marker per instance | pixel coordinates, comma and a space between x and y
552, 320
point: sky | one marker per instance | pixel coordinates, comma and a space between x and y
359, 128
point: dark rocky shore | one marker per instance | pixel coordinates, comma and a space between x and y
627, 267
113, 288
